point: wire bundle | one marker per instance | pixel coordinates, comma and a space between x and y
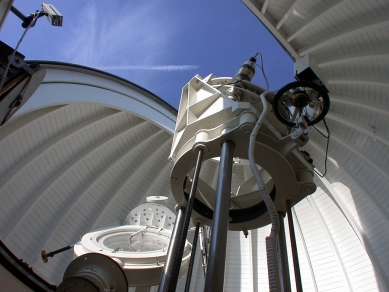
36, 15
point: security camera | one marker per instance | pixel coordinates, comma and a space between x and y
52, 14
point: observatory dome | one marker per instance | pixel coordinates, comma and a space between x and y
88, 147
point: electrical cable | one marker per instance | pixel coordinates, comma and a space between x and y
253, 59
36, 15
328, 142
307, 115
232, 83
263, 71
271, 240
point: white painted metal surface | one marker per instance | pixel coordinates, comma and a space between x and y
207, 116
5, 7
140, 245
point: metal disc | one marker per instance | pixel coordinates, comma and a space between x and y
99, 269
77, 284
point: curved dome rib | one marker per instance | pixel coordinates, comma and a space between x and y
43, 152
330, 238
334, 196
131, 184
308, 281
84, 197
363, 194
64, 159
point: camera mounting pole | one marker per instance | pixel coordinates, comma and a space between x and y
48, 10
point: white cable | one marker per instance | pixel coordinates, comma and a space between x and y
14, 51
271, 240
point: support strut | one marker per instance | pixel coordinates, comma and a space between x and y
204, 249
217, 250
192, 258
172, 251
174, 257
283, 255
296, 265
45, 256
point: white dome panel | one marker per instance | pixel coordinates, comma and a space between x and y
69, 167
349, 42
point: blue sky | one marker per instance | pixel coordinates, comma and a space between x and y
157, 44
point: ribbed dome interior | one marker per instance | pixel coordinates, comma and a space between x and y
89, 147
